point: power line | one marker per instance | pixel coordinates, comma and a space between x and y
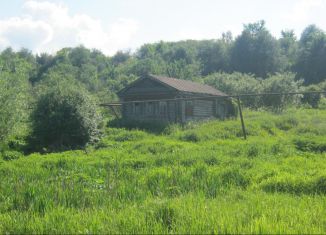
213, 96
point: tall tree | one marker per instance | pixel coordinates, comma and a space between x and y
289, 49
256, 51
214, 56
312, 56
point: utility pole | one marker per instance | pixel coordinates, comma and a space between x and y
241, 117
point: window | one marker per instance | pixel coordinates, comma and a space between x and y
189, 108
137, 108
163, 108
149, 108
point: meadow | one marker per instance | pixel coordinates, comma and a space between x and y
199, 178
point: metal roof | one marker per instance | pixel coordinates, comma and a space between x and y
187, 86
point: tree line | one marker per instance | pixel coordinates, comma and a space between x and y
73, 80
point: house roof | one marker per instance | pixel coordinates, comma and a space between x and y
187, 86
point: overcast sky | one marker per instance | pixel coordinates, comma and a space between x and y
111, 25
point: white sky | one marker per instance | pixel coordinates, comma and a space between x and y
111, 25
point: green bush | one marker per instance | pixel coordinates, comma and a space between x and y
237, 83
64, 118
280, 83
322, 103
11, 155
311, 99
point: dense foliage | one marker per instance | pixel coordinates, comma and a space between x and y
256, 51
237, 83
253, 62
65, 117
14, 94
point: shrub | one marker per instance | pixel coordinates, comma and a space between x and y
64, 118
17, 143
11, 155
322, 103
237, 83
232, 109
311, 99
280, 83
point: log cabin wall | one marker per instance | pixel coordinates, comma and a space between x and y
157, 99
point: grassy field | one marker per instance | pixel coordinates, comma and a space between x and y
202, 178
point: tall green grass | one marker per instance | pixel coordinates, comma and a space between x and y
198, 178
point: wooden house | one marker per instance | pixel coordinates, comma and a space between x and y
164, 99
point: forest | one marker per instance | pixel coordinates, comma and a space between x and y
67, 166
253, 62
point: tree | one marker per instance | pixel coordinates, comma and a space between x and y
79, 56
214, 57
308, 34
120, 57
289, 49
256, 51
65, 117
310, 64
44, 62
314, 98
227, 37
237, 83
14, 95
280, 83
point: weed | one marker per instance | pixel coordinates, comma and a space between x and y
308, 144
201, 178
287, 123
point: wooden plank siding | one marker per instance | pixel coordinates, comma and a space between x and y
151, 99
145, 86
203, 108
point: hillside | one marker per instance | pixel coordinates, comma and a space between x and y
201, 178
253, 62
